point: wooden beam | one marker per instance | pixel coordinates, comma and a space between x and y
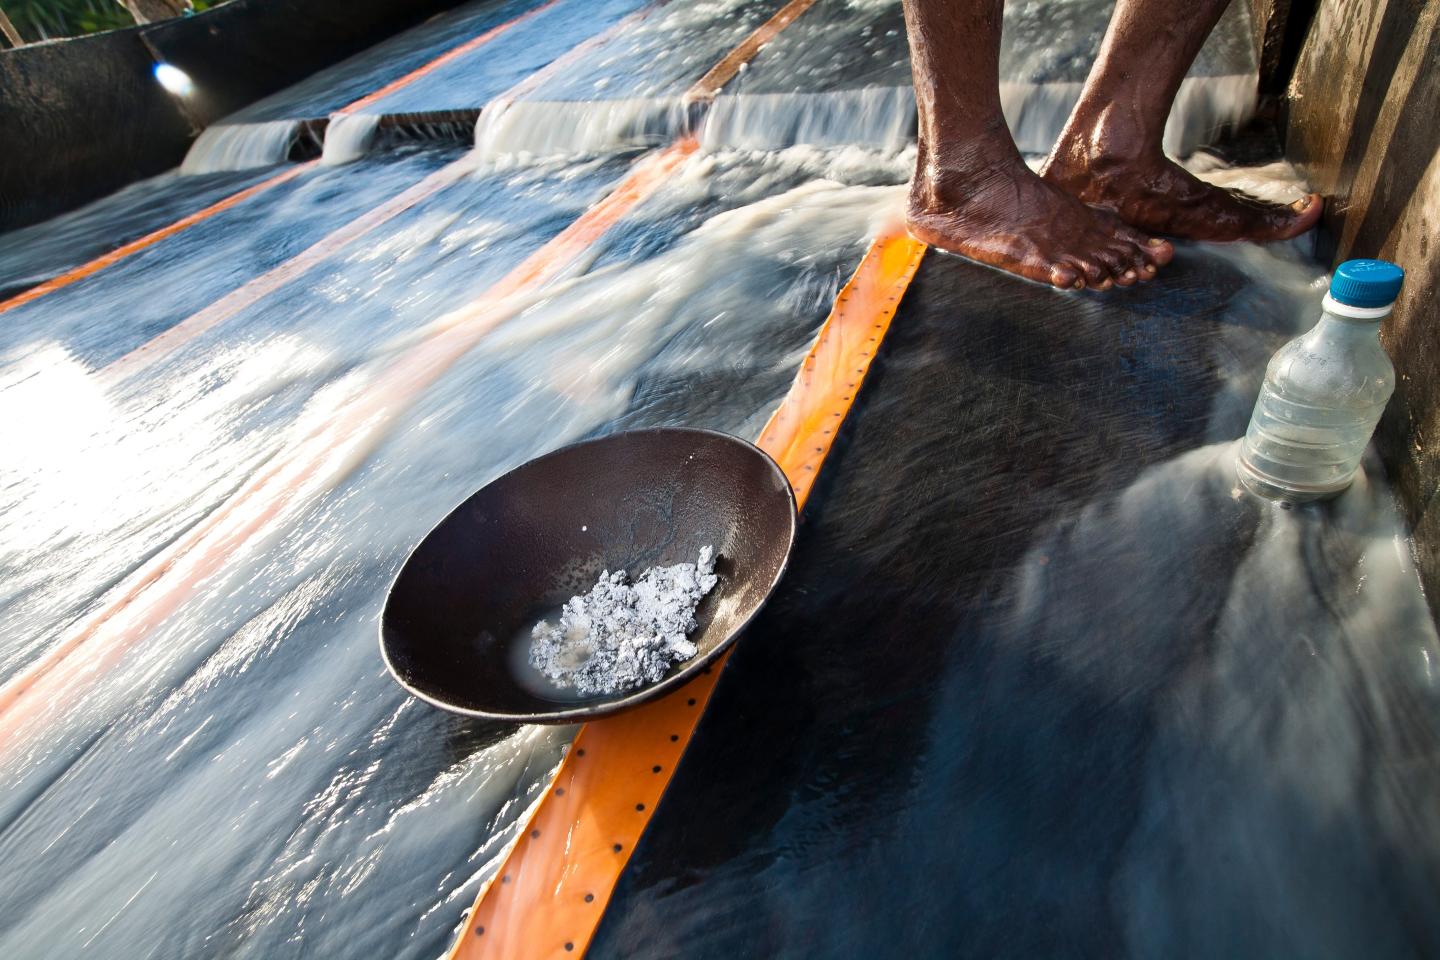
11, 34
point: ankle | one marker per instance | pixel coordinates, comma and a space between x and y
1105, 141
947, 179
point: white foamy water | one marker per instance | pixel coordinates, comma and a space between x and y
773, 224
878, 117
240, 146
872, 117
539, 128
348, 137
1277, 182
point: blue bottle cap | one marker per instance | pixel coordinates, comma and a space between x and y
1366, 283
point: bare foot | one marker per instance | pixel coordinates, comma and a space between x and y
1006, 216
1154, 193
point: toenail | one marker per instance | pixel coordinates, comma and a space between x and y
1155, 241
1149, 268
1129, 274
1080, 284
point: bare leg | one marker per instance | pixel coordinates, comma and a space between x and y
1110, 152
972, 193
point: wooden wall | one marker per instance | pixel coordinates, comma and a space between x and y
1364, 126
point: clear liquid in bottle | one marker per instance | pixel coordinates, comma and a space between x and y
1324, 392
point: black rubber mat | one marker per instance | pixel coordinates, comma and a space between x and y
1014, 699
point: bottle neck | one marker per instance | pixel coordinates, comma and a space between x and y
1341, 329
1339, 325
1362, 315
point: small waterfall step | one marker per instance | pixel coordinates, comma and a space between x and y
241, 146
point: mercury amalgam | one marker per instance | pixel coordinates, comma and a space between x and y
622, 635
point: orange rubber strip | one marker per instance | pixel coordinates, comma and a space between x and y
440, 61
556, 881
723, 72
310, 465
149, 240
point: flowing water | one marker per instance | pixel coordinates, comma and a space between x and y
240, 147
253, 733
348, 137
219, 450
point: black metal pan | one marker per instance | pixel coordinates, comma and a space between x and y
526, 543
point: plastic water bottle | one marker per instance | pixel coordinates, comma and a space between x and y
1324, 392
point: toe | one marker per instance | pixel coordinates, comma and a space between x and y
1302, 215
1159, 252
1094, 272
1263, 222
1116, 264
1136, 261
1153, 249
1066, 277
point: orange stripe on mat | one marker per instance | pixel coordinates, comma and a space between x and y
723, 72
549, 895
149, 240
268, 282
137, 605
309, 466
440, 61
232, 303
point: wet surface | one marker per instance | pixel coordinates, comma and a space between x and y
360, 75
251, 759
472, 79
1037, 682
846, 46
1078, 696
32, 255
843, 71
198, 265
1055, 42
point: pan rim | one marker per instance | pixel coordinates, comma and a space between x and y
606, 707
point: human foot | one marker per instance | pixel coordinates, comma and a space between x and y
1007, 217
1154, 193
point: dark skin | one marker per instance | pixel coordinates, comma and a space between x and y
1091, 218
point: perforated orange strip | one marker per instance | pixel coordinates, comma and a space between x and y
551, 892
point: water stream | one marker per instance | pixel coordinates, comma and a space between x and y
221, 766
241, 146
260, 703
